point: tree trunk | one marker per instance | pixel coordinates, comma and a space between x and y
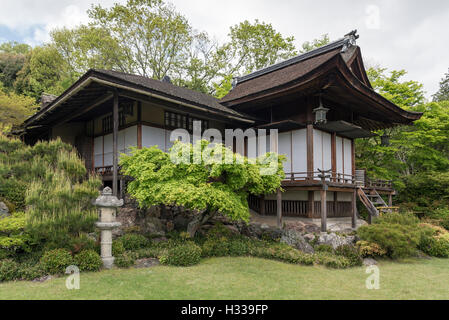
197, 221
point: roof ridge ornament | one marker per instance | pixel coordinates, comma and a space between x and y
350, 40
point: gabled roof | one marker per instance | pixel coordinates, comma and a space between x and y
155, 88
341, 59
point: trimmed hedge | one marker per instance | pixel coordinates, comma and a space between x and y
88, 260
132, 241
186, 254
56, 261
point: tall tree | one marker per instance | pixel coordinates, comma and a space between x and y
12, 60
148, 37
44, 71
314, 44
14, 109
257, 45
443, 92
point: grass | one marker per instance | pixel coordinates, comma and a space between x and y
247, 278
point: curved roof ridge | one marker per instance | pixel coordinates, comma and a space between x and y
343, 42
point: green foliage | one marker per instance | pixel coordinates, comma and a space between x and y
56, 261
30, 271
117, 248
206, 188
186, 254
324, 248
370, 249
331, 260
51, 179
132, 241
281, 252
351, 253
314, 44
12, 236
258, 45
125, 260
9, 270
81, 243
398, 234
14, 109
88, 260
443, 92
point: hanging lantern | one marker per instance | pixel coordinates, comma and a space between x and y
320, 113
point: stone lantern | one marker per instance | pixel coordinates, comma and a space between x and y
108, 204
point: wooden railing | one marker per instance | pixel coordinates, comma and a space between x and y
104, 171
317, 176
375, 183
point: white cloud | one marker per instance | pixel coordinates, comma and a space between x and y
411, 35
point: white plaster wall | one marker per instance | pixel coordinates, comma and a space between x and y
98, 151
126, 138
348, 156
299, 147
339, 154
285, 148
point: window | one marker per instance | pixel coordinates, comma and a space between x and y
176, 120
108, 122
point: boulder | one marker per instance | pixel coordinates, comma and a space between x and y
334, 240
302, 227
4, 211
295, 239
153, 226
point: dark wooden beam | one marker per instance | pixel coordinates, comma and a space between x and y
89, 107
279, 208
115, 145
311, 204
323, 210
354, 209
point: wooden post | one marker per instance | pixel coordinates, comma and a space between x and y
311, 204
323, 210
279, 208
323, 192
354, 209
262, 206
310, 166
390, 200
115, 146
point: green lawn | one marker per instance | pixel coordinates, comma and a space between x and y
247, 278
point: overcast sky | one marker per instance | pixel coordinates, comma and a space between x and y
397, 34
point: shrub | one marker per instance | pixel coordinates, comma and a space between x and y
187, 254
281, 252
133, 241
435, 247
238, 247
398, 240
216, 247
332, 260
405, 219
30, 271
370, 249
117, 248
9, 270
219, 231
324, 248
154, 252
88, 260
351, 253
13, 191
125, 260
81, 243
56, 261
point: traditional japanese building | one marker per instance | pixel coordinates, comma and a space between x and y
320, 102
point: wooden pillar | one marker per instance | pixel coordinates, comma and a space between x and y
323, 210
139, 125
262, 206
390, 200
115, 145
354, 209
279, 208
335, 203
334, 156
310, 165
311, 204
